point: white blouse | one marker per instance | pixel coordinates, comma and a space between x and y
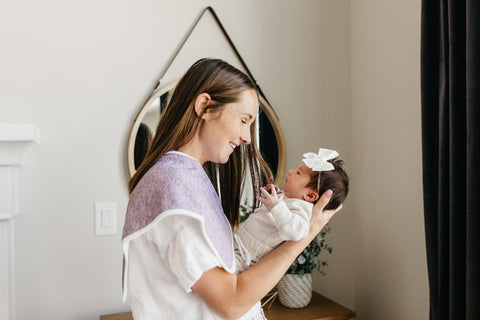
164, 262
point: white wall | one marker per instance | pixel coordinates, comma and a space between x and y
390, 260
80, 70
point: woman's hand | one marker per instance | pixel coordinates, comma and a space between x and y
321, 217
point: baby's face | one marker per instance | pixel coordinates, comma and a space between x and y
296, 182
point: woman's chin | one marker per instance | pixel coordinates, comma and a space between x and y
222, 160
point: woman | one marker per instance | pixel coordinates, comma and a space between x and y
177, 239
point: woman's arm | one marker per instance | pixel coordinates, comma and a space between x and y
231, 295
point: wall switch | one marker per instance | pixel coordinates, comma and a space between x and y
105, 218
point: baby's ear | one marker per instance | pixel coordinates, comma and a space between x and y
311, 196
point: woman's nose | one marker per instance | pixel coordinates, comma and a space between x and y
245, 137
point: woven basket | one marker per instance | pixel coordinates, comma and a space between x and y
295, 291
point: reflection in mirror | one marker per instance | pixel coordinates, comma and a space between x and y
270, 135
146, 129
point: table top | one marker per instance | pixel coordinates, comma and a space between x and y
319, 308
117, 316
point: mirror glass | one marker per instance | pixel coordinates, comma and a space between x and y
269, 133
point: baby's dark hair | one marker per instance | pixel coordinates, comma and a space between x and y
335, 180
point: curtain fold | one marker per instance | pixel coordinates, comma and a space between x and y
450, 54
473, 160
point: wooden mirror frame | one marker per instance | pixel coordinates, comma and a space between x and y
264, 106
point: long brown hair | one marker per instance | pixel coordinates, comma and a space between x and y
179, 122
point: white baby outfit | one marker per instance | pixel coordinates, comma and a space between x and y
263, 231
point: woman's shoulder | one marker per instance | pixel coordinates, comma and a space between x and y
174, 163
176, 181
173, 169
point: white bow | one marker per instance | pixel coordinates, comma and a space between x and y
318, 162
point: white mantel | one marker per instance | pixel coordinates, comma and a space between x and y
16, 139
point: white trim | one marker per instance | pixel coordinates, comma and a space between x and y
16, 139
18, 132
7, 215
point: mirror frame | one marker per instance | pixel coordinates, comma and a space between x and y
264, 105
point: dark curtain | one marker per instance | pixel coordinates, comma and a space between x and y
450, 80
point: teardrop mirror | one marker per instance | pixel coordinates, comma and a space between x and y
270, 134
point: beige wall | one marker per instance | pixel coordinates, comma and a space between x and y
79, 71
390, 260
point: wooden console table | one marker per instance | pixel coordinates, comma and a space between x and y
320, 308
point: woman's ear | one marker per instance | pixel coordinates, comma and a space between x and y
201, 103
311, 196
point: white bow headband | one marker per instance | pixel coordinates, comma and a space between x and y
319, 162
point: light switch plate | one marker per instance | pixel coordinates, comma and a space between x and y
105, 218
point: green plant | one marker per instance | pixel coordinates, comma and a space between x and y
245, 210
308, 260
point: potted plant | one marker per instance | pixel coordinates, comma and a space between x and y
295, 287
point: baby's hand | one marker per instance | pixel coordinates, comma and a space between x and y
270, 185
269, 200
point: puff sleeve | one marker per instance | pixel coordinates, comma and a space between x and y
184, 247
292, 220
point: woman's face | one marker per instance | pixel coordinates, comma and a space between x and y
295, 185
225, 130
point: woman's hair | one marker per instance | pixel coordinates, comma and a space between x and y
335, 180
179, 123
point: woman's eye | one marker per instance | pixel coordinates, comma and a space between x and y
244, 121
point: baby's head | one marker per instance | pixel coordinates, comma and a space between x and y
304, 183
335, 180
